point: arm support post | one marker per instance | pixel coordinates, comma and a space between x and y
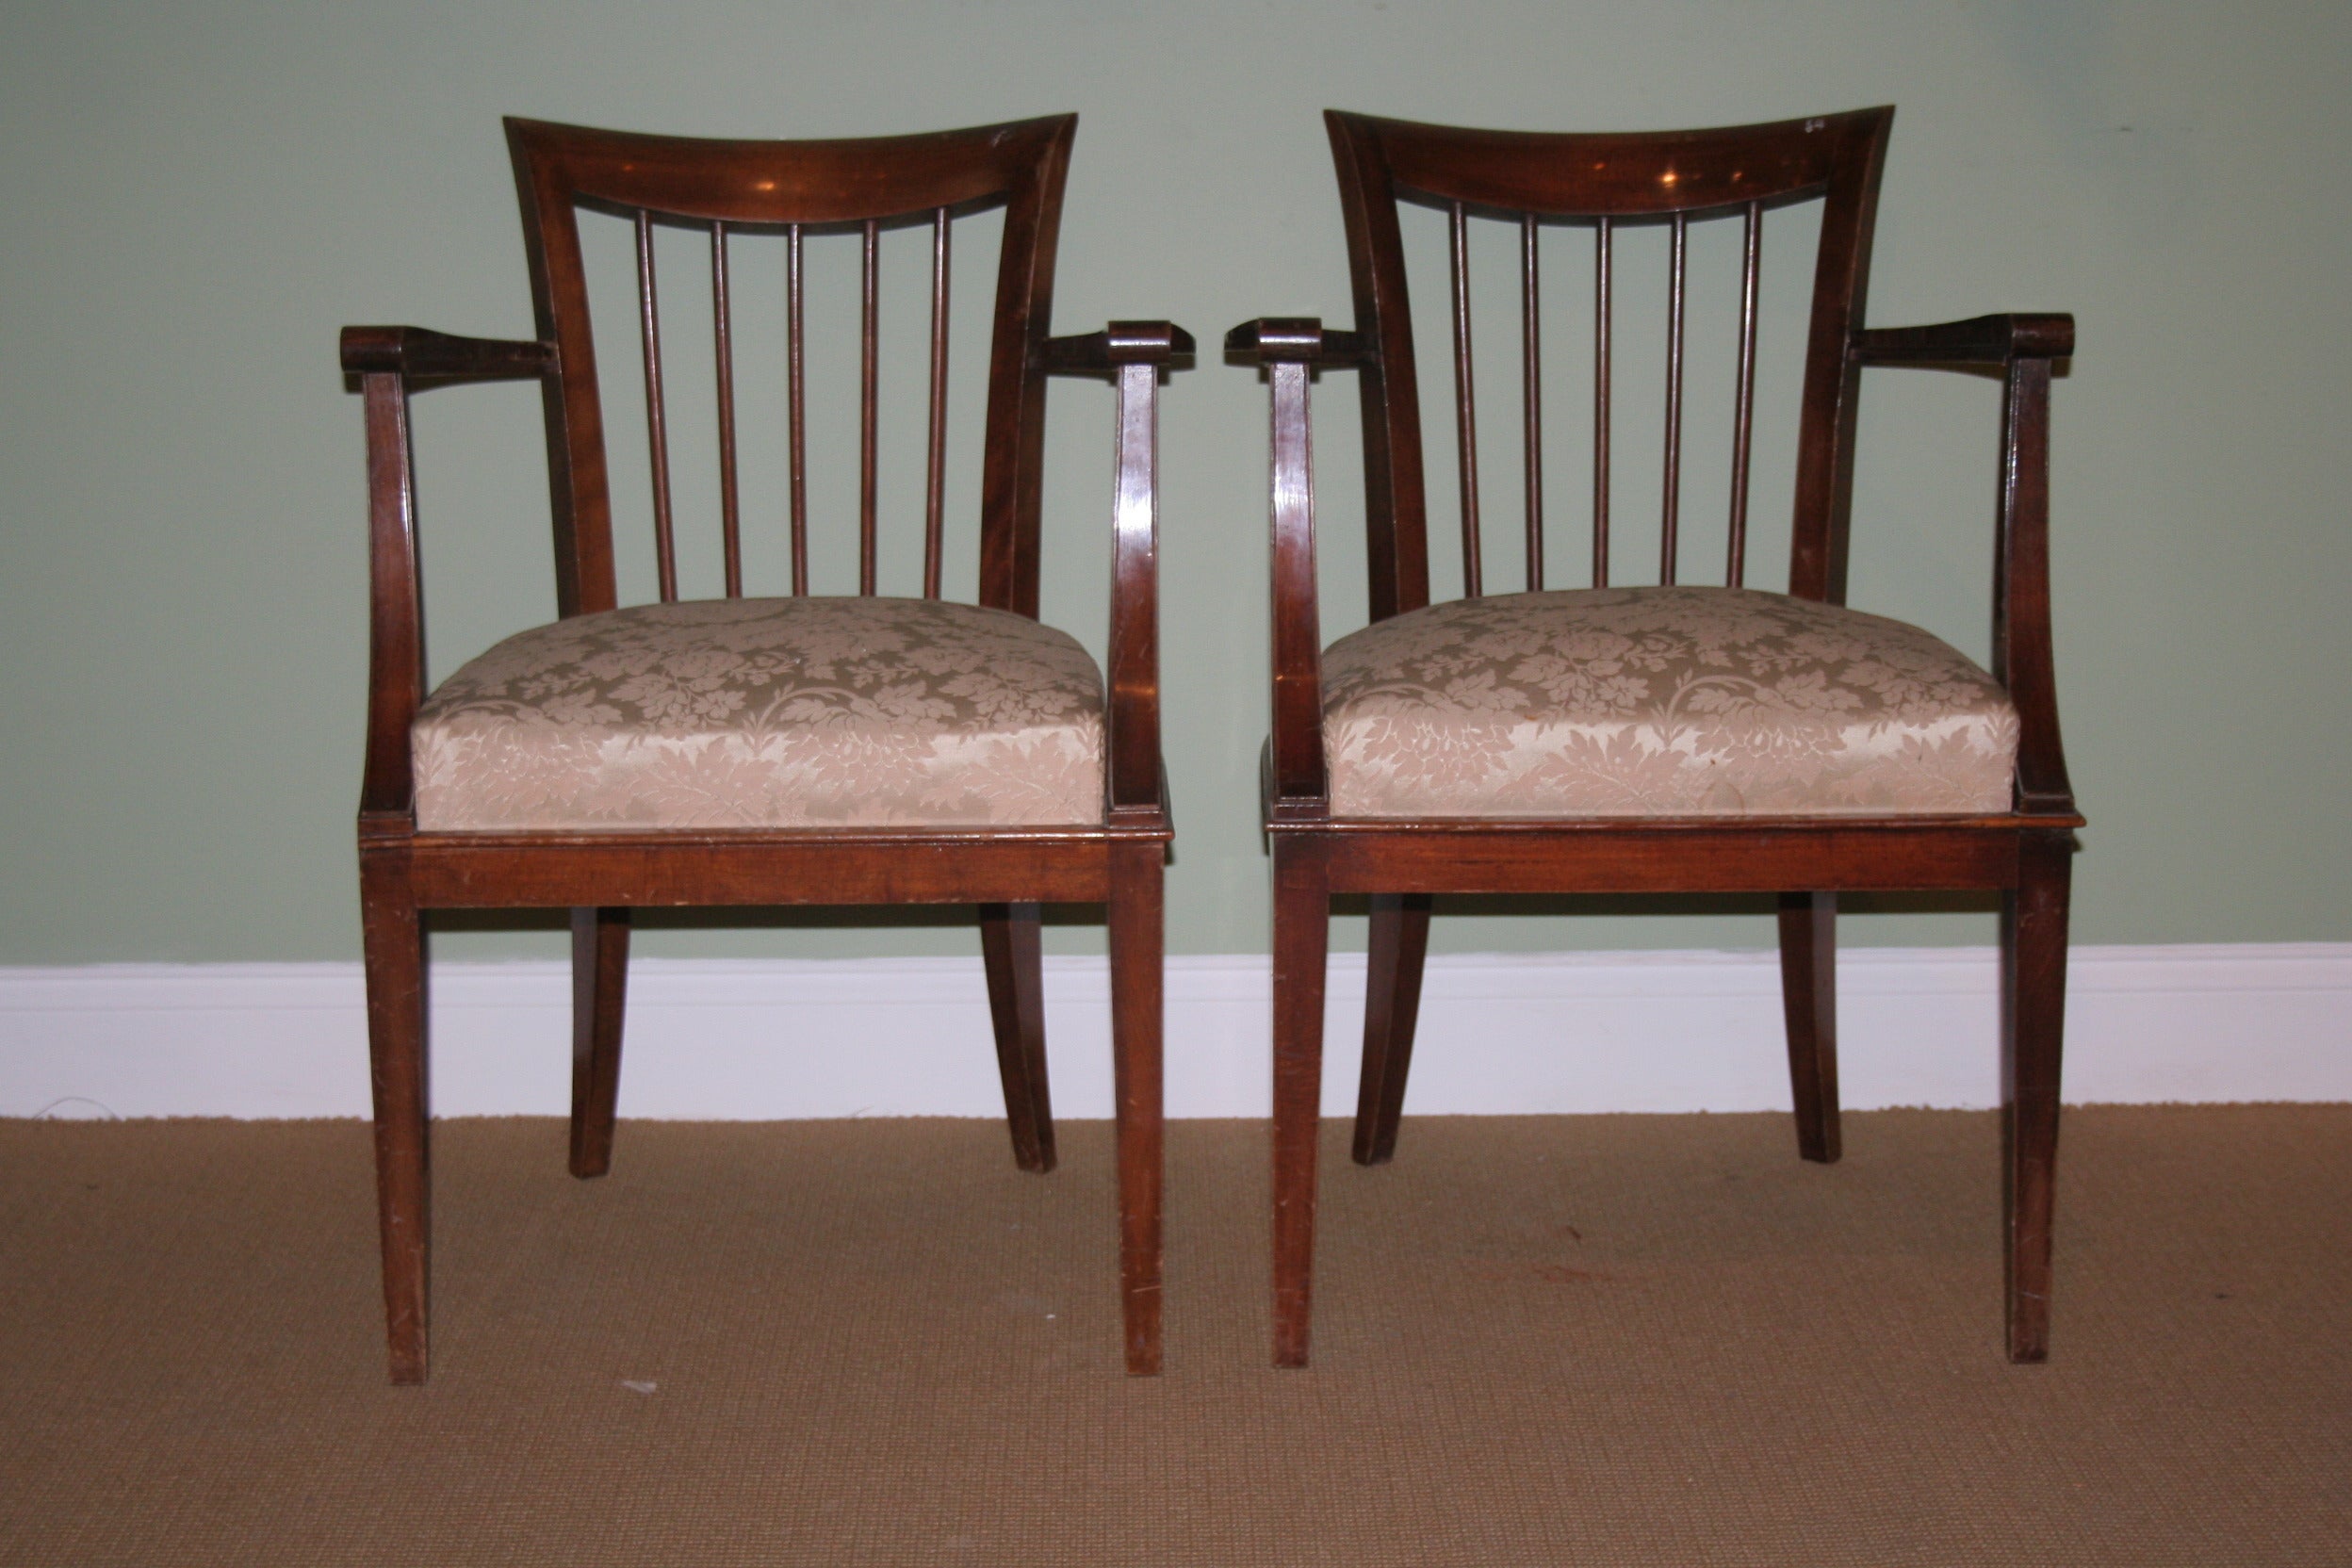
2021, 348
390, 363
396, 639
1289, 350
1132, 354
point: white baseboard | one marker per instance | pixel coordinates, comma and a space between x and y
737, 1039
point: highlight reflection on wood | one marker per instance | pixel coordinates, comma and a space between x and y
1532, 181
797, 189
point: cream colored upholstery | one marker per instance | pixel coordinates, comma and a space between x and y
1659, 702
779, 713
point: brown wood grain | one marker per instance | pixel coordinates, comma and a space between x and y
1605, 180
860, 186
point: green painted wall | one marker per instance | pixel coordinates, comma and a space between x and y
196, 196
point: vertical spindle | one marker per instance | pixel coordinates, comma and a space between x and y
1531, 378
722, 331
1604, 234
649, 331
1743, 414
1465, 412
795, 402
935, 478
1670, 488
868, 367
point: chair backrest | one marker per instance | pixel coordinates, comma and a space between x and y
1604, 182
796, 189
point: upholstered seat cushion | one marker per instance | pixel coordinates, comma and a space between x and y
772, 712
1659, 702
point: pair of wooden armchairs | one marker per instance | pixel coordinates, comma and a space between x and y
847, 749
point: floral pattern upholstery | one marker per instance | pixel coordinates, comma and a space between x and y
767, 712
1659, 702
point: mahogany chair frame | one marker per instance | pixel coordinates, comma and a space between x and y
1606, 181
792, 186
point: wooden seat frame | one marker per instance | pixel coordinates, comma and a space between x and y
720, 186
1608, 180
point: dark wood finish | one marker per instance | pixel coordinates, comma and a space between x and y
869, 369
392, 936
1531, 395
856, 188
1303, 911
1465, 403
657, 416
1604, 181
935, 455
1808, 996
1743, 407
1391, 1005
1137, 922
2033, 1009
1604, 239
599, 998
796, 392
1016, 965
730, 499
1670, 520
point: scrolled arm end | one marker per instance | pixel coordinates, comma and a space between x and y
1293, 340
1982, 340
427, 358
1098, 354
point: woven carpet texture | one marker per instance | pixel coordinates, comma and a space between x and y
1621, 1340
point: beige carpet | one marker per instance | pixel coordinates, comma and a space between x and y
1556, 1340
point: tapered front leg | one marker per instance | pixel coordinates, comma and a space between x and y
1016, 964
1302, 909
1136, 935
1808, 997
392, 938
2033, 1007
599, 998
1392, 1005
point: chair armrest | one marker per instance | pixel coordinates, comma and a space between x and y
1162, 344
1289, 349
1133, 355
1295, 340
427, 358
2021, 348
1980, 341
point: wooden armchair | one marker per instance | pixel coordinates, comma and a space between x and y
805, 749
1662, 739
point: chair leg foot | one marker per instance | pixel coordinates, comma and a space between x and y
1302, 907
2033, 1003
1392, 1005
394, 947
1808, 993
600, 999
1138, 921
1014, 955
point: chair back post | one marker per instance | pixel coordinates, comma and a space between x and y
1011, 483
1395, 512
857, 185
1826, 424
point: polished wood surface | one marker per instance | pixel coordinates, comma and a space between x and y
1531, 181
722, 188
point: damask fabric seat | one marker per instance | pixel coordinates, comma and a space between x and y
767, 712
1660, 702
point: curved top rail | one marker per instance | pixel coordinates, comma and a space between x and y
1630, 175
850, 180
